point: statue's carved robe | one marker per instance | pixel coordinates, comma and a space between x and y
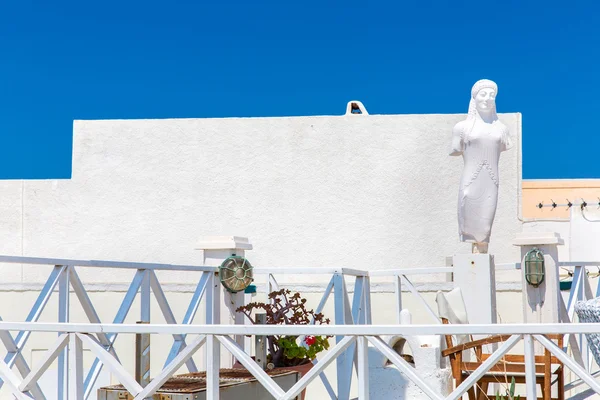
480, 147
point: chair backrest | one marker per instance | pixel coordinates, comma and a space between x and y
451, 307
589, 311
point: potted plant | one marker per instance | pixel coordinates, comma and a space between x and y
289, 352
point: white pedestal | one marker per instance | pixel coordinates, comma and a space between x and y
541, 304
215, 250
475, 275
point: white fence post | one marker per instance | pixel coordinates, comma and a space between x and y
213, 359
343, 316
363, 368
75, 350
215, 250
475, 275
541, 304
530, 380
63, 316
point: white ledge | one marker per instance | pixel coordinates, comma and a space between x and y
537, 238
223, 243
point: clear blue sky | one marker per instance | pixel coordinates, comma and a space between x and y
67, 60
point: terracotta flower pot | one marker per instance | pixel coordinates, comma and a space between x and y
302, 369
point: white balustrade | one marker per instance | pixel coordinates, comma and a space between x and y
353, 329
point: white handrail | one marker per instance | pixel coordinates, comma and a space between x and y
343, 330
258, 270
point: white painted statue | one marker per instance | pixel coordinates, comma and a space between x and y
479, 139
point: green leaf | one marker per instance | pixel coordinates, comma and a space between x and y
512, 388
292, 353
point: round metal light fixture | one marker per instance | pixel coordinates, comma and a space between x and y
235, 274
534, 267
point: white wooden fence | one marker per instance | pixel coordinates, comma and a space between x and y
351, 340
73, 336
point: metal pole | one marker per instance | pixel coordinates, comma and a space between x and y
142, 357
145, 297
260, 343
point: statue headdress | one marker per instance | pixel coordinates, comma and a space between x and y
480, 84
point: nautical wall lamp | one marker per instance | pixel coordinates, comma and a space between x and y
534, 267
235, 274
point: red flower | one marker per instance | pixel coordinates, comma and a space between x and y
310, 340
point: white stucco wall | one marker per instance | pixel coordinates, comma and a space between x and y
579, 232
583, 234
355, 191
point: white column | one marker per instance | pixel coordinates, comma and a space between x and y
541, 304
475, 275
215, 250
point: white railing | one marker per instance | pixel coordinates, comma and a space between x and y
351, 307
581, 290
401, 280
64, 277
215, 337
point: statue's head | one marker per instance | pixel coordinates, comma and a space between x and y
483, 98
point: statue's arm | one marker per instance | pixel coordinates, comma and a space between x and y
457, 140
507, 140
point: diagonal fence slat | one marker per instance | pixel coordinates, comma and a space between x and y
49, 357
111, 363
319, 310
483, 368
190, 314
12, 381
14, 346
124, 308
572, 365
418, 296
88, 308
167, 372
318, 368
163, 304
41, 301
15, 357
326, 383
569, 340
403, 366
251, 366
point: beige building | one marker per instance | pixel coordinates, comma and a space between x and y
561, 191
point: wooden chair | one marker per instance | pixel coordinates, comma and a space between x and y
548, 368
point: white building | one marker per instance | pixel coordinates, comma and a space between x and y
356, 191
